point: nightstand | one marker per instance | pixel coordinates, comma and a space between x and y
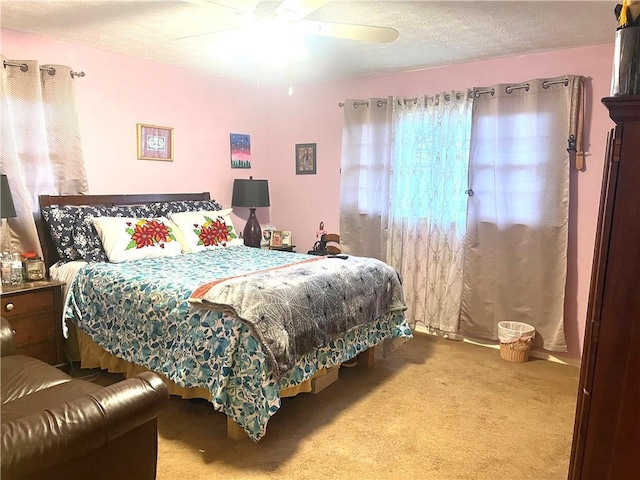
284, 248
34, 310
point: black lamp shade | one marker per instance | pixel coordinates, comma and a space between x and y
6, 207
251, 193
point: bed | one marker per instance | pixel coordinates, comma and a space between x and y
239, 326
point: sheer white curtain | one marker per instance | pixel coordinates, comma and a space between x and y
41, 151
404, 168
428, 205
365, 176
517, 225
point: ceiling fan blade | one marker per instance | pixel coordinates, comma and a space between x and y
235, 22
204, 34
240, 6
350, 31
294, 10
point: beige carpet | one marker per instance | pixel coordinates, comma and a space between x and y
434, 409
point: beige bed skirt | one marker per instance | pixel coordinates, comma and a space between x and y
93, 356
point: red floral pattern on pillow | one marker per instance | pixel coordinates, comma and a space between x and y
147, 233
214, 232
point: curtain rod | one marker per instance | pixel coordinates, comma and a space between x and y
447, 97
379, 103
356, 104
510, 88
50, 70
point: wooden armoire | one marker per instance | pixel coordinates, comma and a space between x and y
606, 437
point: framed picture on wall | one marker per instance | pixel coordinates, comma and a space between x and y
306, 159
155, 142
240, 150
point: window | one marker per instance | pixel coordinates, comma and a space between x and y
516, 171
431, 154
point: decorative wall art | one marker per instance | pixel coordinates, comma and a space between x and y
240, 150
155, 142
306, 159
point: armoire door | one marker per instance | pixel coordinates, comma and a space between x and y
606, 443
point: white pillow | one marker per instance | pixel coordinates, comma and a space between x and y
205, 229
125, 238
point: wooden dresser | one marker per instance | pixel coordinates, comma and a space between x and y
606, 438
34, 310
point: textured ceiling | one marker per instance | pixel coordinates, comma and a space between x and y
431, 33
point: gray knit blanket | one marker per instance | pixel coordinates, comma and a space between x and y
293, 309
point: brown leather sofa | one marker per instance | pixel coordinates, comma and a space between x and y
57, 427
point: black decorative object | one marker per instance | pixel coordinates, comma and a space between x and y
8, 210
626, 60
251, 194
626, 68
628, 13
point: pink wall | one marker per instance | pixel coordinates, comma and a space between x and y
317, 118
120, 91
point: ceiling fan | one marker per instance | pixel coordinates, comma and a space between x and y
293, 13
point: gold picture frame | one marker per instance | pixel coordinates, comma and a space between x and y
286, 238
155, 142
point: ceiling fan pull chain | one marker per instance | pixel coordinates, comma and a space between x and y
290, 77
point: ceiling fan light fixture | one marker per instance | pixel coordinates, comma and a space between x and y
275, 42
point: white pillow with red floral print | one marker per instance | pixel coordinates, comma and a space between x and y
205, 229
126, 238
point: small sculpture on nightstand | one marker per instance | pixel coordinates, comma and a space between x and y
321, 231
320, 247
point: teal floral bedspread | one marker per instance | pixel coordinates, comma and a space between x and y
138, 311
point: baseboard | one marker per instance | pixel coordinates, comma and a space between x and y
574, 362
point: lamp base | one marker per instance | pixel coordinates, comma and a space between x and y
252, 232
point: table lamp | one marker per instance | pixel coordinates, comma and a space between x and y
252, 194
7, 209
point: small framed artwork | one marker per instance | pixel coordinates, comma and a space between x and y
276, 238
155, 143
286, 238
267, 230
306, 159
240, 150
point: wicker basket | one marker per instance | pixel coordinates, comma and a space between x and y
516, 351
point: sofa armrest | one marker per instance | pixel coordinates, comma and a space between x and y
7, 343
81, 425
